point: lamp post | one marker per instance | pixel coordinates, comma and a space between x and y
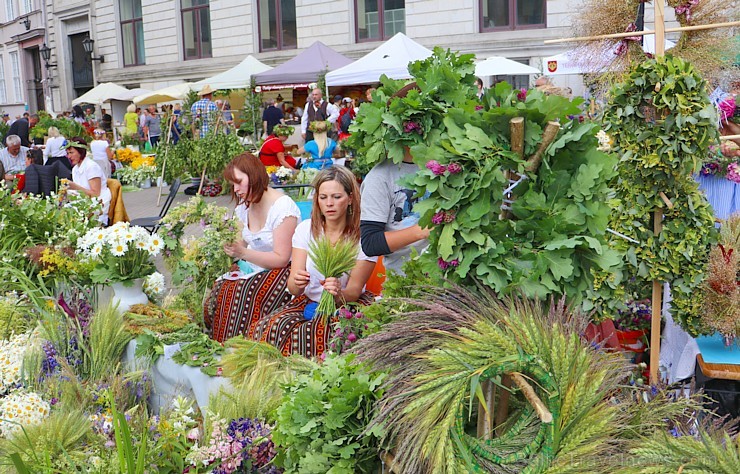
88, 44
45, 53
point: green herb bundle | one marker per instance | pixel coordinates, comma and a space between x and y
331, 260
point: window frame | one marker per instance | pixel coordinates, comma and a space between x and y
26, 6
3, 87
196, 9
512, 26
10, 10
279, 22
133, 21
15, 67
381, 23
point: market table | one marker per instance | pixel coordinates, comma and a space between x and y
170, 380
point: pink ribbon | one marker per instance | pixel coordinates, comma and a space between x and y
685, 9
623, 45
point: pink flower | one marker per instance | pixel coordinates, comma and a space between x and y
454, 168
522, 94
438, 218
733, 172
454, 263
352, 337
442, 264
435, 167
193, 434
478, 107
449, 217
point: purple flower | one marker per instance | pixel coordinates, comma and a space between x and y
454, 263
478, 107
431, 164
442, 264
438, 218
352, 337
522, 94
454, 168
412, 127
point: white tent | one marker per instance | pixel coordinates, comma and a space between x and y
569, 63
391, 58
238, 77
167, 94
500, 66
101, 93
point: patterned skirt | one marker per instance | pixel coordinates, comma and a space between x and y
292, 333
235, 306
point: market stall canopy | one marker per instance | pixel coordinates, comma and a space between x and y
168, 94
101, 93
304, 68
391, 58
238, 77
569, 62
131, 94
501, 66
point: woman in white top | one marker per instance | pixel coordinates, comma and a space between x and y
101, 151
87, 177
54, 149
336, 215
240, 298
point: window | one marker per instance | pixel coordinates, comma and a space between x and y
3, 94
10, 10
277, 27
379, 19
511, 14
196, 28
17, 86
26, 6
132, 32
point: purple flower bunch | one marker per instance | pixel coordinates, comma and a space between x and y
636, 317
347, 330
443, 217
49, 365
412, 127
245, 445
256, 441
439, 169
709, 169
444, 265
733, 172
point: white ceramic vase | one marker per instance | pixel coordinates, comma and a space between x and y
127, 294
146, 184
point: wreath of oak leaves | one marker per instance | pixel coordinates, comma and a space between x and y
660, 156
556, 245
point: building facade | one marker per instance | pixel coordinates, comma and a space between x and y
156, 43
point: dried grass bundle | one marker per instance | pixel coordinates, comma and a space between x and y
722, 286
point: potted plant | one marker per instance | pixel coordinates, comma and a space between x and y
632, 324
122, 257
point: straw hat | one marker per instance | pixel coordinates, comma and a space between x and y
206, 90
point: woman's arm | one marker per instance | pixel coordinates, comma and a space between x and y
283, 161
282, 247
355, 285
94, 190
298, 279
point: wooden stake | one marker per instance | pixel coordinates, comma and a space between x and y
710, 26
485, 414
657, 306
548, 136
665, 199
390, 461
531, 396
502, 410
516, 126
659, 27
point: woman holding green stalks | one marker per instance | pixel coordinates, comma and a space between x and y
333, 230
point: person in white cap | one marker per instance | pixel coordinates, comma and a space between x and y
205, 109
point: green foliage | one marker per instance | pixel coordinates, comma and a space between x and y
67, 128
16, 316
662, 125
321, 422
190, 156
201, 352
106, 342
556, 244
251, 113
380, 131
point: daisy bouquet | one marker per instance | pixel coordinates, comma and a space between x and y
331, 260
121, 253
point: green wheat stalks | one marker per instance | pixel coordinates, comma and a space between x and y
331, 260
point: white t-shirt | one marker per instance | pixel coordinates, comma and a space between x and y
53, 147
86, 170
301, 240
263, 240
100, 156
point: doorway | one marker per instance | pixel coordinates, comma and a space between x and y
82, 73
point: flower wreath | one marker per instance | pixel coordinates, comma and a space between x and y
282, 130
319, 126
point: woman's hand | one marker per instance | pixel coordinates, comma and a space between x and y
301, 279
73, 186
332, 285
236, 249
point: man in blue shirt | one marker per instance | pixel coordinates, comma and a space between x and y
271, 117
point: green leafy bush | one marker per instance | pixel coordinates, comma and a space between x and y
321, 422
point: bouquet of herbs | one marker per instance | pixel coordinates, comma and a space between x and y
636, 317
331, 260
718, 164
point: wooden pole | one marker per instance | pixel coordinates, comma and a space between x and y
710, 26
516, 126
659, 27
502, 410
164, 160
548, 136
657, 301
542, 412
599, 37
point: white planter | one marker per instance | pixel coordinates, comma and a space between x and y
128, 294
133, 147
146, 184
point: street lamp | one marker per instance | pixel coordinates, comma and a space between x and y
45, 52
88, 44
